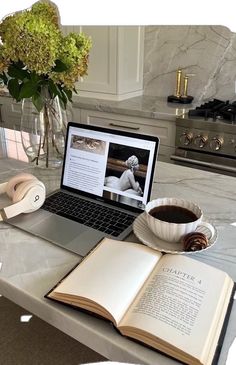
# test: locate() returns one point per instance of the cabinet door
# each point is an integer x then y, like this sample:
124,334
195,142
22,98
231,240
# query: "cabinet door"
115,69
76,115
165,130
101,76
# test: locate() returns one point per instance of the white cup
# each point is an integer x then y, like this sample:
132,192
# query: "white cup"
174,232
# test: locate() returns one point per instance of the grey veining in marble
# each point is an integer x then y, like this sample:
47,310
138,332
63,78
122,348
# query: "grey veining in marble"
208,52
145,106
31,266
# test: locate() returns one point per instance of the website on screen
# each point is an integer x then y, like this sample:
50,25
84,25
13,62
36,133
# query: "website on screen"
112,166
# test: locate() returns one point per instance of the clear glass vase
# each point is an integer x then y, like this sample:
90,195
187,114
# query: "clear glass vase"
43,133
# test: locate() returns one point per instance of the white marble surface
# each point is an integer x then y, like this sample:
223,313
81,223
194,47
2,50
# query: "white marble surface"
206,52
144,106
31,266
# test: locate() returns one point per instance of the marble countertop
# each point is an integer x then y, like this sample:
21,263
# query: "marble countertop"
140,106
31,266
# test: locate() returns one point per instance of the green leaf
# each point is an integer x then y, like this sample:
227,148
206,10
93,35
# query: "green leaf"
54,89
19,64
64,96
60,66
63,99
34,77
28,89
14,88
62,104
68,94
37,101
17,73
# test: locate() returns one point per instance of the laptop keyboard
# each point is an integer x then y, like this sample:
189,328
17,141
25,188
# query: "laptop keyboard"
91,214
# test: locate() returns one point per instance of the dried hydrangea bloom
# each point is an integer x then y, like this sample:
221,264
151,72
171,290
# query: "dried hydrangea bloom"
34,53
33,39
3,62
47,11
74,54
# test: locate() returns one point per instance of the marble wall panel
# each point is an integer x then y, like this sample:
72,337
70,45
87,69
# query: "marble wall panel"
207,52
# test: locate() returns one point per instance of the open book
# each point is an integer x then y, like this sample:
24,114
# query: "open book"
172,303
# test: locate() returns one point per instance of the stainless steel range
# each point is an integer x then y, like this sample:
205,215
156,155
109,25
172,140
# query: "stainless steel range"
206,138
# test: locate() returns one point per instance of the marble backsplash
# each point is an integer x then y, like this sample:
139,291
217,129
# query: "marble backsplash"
207,52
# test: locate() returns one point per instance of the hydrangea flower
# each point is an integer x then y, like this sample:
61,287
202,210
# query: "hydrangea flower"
34,54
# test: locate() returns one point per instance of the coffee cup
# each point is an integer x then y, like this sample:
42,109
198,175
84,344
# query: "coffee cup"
171,218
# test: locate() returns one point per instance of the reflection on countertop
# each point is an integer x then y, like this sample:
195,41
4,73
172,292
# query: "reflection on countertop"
140,106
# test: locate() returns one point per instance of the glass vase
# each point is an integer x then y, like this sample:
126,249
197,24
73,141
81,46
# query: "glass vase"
43,133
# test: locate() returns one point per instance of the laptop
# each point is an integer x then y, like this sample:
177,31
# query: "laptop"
105,184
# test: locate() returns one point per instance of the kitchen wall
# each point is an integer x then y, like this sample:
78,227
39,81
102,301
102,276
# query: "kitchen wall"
208,52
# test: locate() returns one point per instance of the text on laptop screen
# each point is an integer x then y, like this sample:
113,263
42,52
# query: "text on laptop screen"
112,166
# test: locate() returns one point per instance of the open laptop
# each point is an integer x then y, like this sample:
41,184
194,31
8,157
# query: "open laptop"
107,175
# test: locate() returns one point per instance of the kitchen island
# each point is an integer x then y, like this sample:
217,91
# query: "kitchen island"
30,266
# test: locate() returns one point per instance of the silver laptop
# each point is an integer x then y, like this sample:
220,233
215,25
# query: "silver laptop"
106,182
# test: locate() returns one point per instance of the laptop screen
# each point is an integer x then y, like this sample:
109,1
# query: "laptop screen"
110,165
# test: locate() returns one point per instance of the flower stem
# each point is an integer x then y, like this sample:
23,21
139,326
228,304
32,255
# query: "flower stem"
46,137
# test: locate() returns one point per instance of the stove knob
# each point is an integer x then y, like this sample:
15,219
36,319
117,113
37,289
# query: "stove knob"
200,140
186,138
216,143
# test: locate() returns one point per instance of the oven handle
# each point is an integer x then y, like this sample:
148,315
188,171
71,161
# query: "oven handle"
203,163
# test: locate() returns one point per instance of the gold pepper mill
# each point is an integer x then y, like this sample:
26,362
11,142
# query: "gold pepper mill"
185,97
185,93
178,97
178,83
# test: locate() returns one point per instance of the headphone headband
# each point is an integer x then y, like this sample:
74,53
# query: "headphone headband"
3,216
27,194
3,187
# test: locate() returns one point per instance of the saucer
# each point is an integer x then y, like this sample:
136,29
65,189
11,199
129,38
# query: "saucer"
146,236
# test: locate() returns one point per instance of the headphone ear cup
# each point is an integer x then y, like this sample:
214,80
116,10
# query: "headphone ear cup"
31,193
16,180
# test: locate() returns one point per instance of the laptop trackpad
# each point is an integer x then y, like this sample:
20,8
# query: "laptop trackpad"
83,243
68,234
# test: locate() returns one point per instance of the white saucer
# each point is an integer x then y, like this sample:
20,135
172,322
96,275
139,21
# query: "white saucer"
145,235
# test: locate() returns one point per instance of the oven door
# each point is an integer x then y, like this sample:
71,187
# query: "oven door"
205,161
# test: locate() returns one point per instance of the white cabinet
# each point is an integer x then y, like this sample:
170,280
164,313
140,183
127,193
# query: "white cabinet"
164,129
115,69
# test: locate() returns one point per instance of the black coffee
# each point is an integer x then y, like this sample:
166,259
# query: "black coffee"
173,214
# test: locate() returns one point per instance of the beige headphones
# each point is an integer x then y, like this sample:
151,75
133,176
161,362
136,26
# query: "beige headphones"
26,192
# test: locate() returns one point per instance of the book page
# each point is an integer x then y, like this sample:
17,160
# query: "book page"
111,275
180,304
